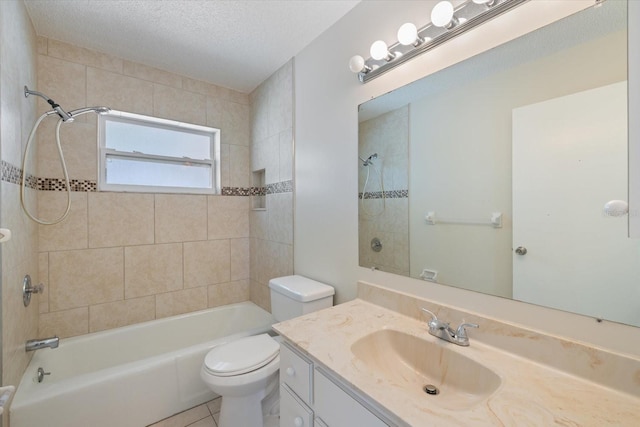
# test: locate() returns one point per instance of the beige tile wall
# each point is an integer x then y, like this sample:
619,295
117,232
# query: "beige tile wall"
19,255
123,258
272,150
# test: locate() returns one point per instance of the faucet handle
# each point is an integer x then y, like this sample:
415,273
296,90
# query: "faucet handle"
433,316
461,332
435,323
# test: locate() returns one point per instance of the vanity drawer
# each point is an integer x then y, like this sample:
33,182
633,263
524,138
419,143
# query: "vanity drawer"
296,371
293,412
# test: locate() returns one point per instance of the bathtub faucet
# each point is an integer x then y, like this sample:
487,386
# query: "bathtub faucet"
33,345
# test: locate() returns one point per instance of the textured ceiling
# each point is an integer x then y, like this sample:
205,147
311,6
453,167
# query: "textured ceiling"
232,43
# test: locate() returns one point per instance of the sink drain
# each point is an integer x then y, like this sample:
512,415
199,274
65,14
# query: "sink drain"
431,389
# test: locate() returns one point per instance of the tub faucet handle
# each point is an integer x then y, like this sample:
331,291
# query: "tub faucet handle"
37,289
28,288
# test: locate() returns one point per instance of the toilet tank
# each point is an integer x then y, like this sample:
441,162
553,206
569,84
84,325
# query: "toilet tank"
293,296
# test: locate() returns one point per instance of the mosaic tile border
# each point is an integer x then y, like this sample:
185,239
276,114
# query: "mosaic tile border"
276,188
391,194
280,187
13,174
57,184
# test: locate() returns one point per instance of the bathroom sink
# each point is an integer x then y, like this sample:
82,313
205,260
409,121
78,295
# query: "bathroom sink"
411,363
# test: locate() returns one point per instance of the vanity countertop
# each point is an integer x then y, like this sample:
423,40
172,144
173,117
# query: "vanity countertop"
531,394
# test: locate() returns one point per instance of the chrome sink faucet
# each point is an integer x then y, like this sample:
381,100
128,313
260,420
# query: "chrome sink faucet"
442,330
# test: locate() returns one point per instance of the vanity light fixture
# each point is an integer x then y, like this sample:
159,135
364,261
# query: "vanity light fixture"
379,50
357,65
442,15
446,23
408,35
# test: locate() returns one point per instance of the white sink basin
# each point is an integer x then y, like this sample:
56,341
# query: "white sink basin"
411,363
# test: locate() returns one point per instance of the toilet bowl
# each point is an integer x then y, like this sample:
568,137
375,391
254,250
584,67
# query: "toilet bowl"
245,372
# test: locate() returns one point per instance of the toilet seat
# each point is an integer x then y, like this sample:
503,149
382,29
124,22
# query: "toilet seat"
241,356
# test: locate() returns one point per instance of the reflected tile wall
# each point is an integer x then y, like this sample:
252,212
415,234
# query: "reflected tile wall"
124,258
386,219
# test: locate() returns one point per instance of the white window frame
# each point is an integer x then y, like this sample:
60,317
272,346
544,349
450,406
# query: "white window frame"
131,118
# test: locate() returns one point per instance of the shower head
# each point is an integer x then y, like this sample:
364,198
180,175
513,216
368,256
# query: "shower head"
369,160
97,110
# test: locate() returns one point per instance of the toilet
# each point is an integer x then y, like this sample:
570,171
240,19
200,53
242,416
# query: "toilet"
245,371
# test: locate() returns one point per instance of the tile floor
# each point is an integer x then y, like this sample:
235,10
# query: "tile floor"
205,415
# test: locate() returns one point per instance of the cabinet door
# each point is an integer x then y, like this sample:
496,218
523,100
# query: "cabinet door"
337,409
293,412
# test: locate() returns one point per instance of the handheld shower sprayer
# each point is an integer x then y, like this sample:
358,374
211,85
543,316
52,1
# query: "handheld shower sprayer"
64,117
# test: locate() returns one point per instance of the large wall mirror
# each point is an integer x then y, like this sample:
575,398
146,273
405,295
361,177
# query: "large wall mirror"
493,175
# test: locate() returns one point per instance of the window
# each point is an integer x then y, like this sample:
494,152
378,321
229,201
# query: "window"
148,154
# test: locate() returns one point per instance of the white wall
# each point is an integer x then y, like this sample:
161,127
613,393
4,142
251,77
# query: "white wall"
634,126
326,211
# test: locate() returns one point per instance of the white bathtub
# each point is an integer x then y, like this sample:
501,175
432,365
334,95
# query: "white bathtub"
130,376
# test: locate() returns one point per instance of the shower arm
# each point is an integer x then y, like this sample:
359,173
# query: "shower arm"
56,108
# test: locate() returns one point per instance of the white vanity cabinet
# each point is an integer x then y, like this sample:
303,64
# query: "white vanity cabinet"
293,412
336,408
309,397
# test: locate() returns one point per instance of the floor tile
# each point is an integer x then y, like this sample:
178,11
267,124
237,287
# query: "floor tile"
206,422
185,418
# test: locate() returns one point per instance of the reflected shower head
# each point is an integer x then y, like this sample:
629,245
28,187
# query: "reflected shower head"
369,160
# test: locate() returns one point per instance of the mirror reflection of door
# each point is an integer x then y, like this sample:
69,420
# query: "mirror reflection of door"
581,141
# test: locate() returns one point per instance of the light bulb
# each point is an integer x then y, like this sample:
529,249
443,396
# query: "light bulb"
407,34
356,64
616,208
379,50
442,14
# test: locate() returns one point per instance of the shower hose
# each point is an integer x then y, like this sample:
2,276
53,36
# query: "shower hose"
64,171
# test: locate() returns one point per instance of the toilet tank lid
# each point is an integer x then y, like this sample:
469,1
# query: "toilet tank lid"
301,288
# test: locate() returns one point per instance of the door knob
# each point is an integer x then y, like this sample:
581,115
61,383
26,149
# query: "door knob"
521,250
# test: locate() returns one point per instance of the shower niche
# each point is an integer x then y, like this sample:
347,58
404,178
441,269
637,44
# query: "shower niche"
258,190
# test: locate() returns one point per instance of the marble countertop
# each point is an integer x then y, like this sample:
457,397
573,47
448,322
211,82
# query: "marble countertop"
530,394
